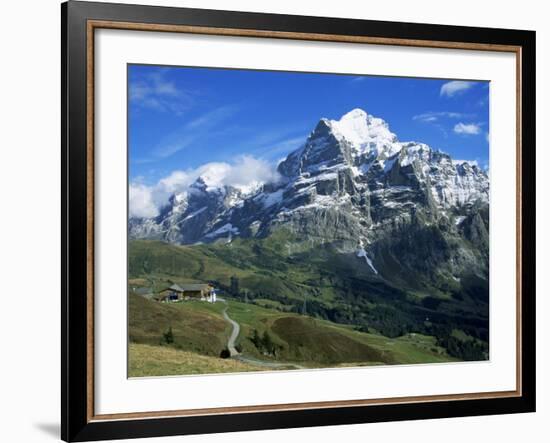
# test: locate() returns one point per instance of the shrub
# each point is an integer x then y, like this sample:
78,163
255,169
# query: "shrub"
225,353
168,336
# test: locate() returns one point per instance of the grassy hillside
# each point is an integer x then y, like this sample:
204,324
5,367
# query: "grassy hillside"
316,342
196,326
149,361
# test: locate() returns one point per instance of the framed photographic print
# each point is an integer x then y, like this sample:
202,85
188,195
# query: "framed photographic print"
279,221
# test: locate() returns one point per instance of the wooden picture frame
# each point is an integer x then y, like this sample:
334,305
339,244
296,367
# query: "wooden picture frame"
79,22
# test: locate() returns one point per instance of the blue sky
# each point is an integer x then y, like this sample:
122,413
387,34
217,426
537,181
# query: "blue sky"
181,118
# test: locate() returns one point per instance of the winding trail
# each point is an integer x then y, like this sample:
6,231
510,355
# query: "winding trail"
238,356
234,333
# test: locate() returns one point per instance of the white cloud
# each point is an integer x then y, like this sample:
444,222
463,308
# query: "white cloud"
454,87
245,173
176,181
141,203
431,117
467,128
249,170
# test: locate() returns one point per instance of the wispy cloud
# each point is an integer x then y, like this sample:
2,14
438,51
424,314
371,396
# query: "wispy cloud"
284,146
213,117
155,91
431,117
467,128
438,119
172,144
358,79
276,140
455,87
483,101
201,127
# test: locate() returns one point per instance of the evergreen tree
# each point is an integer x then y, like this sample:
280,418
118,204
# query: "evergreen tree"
168,336
268,344
256,339
234,288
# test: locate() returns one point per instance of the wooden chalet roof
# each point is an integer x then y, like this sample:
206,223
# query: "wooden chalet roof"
188,287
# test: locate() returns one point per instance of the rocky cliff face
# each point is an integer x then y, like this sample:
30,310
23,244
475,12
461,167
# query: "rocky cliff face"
402,207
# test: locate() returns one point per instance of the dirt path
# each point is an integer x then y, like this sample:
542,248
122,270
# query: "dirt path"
234,333
267,364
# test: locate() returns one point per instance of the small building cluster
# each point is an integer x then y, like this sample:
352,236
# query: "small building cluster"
194,291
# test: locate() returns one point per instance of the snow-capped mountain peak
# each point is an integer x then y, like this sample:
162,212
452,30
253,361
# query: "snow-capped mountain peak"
347,142
365,132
